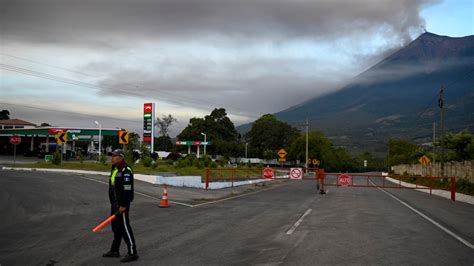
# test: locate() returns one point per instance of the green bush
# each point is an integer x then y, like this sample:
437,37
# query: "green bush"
213,165
103,159
195,162
182,163
129,158
81,157
207,161
147,161
56,158
200,165
464,186
154,164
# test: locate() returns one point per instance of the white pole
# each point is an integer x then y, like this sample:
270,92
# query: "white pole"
306,162
100,141
100,137
205,140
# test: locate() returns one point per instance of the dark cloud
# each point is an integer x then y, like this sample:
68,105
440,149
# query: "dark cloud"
123,23
245,84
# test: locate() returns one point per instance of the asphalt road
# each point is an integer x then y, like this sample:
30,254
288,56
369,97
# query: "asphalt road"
47,219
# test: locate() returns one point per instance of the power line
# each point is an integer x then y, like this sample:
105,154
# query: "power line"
30,72
49,65
68,112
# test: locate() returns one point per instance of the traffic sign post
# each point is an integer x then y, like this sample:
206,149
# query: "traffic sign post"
424,160
62,139
344,180
15,140
282,153
267,173
123,137
296,173
315,162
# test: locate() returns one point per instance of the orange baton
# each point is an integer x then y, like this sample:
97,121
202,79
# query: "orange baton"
104,223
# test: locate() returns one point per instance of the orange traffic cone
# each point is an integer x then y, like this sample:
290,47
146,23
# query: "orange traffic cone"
164,199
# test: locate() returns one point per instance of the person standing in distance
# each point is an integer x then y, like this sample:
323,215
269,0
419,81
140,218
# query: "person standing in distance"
121,196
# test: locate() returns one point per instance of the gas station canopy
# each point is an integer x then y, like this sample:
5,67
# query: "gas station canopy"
45,131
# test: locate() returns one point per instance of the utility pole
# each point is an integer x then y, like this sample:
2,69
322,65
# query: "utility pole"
441,106
246,145
434,140
388,156
307,129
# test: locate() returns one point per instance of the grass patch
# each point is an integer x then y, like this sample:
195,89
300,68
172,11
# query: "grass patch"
462,185
216,174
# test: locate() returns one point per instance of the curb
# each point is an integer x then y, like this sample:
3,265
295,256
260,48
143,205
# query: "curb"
438,192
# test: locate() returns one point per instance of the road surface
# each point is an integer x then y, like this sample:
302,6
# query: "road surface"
48,217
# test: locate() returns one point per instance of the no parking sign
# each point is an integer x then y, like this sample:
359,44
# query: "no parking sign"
296,173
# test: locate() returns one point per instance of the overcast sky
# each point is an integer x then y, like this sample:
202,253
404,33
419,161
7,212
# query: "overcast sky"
71,62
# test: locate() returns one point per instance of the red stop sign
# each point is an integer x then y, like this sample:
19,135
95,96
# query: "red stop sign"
267,173
345,180
15,139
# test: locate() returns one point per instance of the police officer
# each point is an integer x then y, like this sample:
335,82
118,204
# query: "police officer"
121,195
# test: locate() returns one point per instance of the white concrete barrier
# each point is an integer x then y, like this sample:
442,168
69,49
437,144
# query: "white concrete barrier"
220,185
175,181
179,181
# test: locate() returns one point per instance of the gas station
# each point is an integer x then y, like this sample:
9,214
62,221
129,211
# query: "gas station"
43,140
190,143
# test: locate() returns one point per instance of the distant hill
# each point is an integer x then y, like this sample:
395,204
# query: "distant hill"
397,97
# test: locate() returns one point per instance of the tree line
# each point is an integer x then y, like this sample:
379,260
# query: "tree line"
266,136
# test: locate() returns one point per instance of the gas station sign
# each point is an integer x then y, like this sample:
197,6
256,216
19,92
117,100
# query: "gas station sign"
148,123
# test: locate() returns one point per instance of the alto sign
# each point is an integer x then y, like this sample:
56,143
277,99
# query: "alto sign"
267,173
344,180
15,140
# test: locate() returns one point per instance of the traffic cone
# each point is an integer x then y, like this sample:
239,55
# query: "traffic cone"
164,199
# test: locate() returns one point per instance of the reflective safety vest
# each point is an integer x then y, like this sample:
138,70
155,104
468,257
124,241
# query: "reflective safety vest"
115,172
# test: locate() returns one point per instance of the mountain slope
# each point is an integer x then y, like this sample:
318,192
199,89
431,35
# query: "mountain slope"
398,96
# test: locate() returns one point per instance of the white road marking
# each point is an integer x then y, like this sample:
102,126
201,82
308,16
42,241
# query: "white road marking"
293,228
449,232
139,193
235,197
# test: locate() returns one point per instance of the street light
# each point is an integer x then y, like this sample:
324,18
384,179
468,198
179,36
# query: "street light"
100,138
205,140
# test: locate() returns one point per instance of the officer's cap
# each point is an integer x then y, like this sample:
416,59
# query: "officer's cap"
118,152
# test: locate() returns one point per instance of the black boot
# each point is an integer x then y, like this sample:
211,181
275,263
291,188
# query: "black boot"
129,258
111,254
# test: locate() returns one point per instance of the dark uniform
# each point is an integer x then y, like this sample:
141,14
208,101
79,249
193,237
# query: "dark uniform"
121,195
